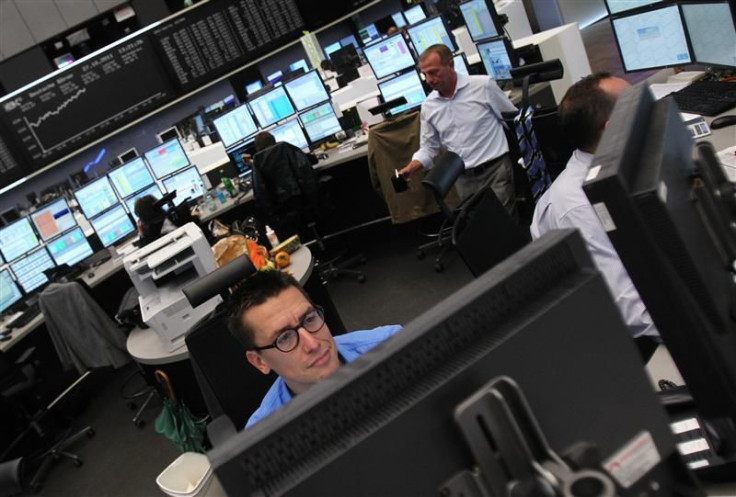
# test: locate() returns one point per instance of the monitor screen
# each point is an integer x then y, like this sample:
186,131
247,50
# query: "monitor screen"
70,248
275,77
9,291
320,122
299,64
29,270
399,19
17,238
479,20
652,39
53,219
351,40
130,177
332,48
113,225
235,126
290,132
496,59
415,14
712,32
187,184
130,202
430,32
616,6
95,197
406,85
167,158
368,33
253,87
389,56
306,90
271,107
460,65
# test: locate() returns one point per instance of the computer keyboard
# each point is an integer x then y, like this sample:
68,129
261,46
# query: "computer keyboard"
28,315
96,259
707,98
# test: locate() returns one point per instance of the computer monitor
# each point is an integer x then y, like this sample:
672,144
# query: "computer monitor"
399,19
113,226
70,248
306,90
651,39
617,6
271,106
368,34
253,87
389,56
168,134
187,184
299,64
415,14
274,77
290,132
235,126
131,177
167,158
480,19
29,269
351,40
151,190
407,85
320,122
53,219
10,294
497,58
430,32
332,47
389,423
460,64
95,197
710,27
17,238
673,230
128,155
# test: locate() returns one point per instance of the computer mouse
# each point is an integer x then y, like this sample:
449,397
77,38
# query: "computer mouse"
90,275
723,121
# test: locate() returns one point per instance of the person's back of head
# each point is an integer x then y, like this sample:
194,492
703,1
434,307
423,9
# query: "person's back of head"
264,140
148,210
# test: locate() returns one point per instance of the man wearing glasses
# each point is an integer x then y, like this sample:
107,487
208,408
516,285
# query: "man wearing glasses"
284,332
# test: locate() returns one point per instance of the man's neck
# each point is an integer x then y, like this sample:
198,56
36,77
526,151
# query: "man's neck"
451,89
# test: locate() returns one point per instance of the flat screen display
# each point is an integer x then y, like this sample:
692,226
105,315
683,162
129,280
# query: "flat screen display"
253,87
320,122
275,77
368,34
271,107
652,39
167,158
306,90
187,184
299,64
113,225
712,32
235,126
17,238
430,32
460,65
290,132
95,197
332,48
414,14
131,177
616,6
9,291
53,219
478,19
496,59
389,56
29,270
70,248
407,85
130,202
399,19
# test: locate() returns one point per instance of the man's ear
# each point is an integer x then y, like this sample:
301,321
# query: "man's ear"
257,361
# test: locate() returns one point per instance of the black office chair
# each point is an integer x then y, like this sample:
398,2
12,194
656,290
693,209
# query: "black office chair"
484,233
289,198
439,181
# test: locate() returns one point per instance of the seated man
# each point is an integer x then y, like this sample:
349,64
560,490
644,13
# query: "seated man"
584,112
152,219
283,331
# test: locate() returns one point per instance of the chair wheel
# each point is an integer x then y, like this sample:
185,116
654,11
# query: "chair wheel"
439,267
77,463
421,255
361,278
90,433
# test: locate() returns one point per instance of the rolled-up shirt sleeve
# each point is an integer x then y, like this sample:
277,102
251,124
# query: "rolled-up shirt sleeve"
429,143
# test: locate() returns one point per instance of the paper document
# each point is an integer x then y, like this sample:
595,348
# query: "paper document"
727,158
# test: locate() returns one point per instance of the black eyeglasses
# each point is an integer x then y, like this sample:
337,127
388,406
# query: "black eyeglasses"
288,340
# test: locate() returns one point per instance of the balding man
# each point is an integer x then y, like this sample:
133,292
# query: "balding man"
463,114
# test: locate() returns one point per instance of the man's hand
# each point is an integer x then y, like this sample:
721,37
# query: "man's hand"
407,170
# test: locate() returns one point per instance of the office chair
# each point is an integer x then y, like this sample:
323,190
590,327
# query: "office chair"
11,477
289,198
439,181
484,233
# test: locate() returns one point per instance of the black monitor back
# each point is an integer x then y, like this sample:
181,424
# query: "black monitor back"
383,425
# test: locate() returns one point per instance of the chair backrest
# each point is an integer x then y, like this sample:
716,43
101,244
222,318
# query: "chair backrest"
442,177
484,233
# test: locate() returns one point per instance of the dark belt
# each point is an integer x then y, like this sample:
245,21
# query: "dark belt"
480,168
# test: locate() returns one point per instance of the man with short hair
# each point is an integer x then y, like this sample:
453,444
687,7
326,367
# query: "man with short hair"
283,331
463,114
584,112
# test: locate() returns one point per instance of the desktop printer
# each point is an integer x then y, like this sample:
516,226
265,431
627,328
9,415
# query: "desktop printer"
160,270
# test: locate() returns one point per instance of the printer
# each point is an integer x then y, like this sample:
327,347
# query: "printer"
160,270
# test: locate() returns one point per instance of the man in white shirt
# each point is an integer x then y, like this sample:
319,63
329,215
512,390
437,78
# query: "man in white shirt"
584,112
463,113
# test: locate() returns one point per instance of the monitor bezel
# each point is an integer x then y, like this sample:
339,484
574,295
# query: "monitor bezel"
434,18
409,109
625,11
261,94
145,164
314,142
223,116
69,232
693,56
309,73
88,185
366,26
494,18
509,50
412,8
299,124
28,254
22,294
46,205
160,145
387,40
181,172
107,211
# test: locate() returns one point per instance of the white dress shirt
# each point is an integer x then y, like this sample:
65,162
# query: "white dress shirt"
468,123
565,205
